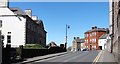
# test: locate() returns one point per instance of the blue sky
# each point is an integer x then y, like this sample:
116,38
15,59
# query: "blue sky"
80,16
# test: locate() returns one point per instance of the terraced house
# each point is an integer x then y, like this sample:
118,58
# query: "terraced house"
20,28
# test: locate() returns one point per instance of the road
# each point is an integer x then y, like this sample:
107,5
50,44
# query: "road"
79,57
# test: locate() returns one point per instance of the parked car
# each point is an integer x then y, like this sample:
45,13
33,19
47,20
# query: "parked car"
85,49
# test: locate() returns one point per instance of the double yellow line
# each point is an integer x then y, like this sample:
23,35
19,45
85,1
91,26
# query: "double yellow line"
97,58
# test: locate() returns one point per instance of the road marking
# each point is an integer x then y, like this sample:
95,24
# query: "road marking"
97,58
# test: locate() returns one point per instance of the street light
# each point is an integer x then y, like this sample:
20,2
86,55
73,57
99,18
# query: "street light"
67,27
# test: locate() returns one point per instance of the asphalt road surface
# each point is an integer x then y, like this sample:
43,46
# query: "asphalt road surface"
79,57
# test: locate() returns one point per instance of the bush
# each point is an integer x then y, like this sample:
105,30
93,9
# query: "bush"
33,46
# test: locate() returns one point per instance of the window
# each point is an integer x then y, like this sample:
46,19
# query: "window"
90,40
87,46
94,47
32,27
28,25
94,33
87,41
94,40
0,23
2,38
91,34
8,39
85,35
9,32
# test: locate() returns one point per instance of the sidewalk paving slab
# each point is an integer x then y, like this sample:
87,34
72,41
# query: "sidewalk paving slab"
106,58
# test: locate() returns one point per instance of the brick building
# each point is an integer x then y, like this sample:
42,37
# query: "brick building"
92,36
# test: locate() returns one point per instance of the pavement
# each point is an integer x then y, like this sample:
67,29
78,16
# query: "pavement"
105,57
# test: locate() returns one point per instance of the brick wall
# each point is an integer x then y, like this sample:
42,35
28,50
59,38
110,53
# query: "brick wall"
91,39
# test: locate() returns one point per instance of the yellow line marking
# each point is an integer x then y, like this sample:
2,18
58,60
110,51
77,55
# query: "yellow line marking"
97,58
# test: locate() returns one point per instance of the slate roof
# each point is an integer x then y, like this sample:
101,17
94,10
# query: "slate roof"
17,11
79,40
98,29
104,36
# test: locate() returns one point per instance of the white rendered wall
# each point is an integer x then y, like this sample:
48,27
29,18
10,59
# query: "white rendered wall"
102,43
82,46
14,25
6,11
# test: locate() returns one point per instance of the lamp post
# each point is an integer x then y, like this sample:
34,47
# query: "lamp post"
67,27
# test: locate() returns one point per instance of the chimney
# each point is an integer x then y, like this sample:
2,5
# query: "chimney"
74,37
92,27
4,3
95,27
77,37
29,12
35,18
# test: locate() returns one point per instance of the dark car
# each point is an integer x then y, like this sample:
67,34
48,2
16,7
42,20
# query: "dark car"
85,49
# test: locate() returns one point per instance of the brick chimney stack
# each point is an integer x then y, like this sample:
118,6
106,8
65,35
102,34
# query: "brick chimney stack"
95,27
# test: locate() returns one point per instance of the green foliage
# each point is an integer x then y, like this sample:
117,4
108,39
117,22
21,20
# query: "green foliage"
33,46
18,51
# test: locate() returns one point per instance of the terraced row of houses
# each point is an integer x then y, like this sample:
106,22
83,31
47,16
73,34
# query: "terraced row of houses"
94,39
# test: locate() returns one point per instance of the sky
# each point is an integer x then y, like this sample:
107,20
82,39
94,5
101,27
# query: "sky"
80,16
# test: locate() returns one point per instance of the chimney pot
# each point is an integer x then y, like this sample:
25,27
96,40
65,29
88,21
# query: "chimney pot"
74,37
35,18
92,27
28,12
77,37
